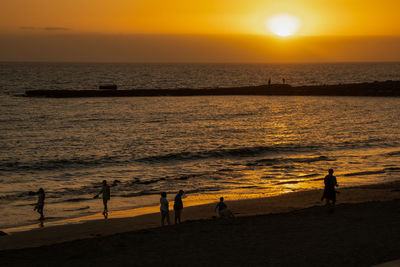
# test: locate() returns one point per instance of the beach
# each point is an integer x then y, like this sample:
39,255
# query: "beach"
267,155
237,146
294,228
222,133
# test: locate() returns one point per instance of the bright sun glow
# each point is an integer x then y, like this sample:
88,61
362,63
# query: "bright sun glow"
283,25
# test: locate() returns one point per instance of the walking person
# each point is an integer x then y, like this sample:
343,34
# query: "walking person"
164,208
40,204
105,191
178,206
329,190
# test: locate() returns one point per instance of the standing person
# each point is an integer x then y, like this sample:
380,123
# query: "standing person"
40,204
105,191
178,206
269,82
329,190
164,208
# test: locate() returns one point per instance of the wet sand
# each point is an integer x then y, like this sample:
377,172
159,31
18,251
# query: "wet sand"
292,229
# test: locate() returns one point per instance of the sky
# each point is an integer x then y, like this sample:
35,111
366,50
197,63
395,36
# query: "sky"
197,31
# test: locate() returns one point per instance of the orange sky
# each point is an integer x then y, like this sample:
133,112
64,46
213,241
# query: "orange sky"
22,20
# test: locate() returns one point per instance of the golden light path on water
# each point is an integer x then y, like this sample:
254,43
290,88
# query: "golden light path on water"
235,147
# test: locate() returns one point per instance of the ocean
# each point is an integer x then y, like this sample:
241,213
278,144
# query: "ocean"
209,146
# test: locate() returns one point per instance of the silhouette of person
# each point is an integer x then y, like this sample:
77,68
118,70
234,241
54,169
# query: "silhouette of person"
40,204
223,210
105,191
283,81
178,206
269,82
329,190
164,208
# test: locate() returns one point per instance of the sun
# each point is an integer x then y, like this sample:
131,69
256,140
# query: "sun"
283,25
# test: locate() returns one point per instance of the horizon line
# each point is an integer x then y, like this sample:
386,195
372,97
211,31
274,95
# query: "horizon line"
198,62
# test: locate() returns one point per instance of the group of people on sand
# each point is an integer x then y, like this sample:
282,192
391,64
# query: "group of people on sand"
164,207
222,208
329,195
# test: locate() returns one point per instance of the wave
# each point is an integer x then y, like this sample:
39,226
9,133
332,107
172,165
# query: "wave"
79,199
394,153
309,175
123,159
273,161
60,163
62,195
393,169
364,173
91,161
289,182
78,209
157,192
224,153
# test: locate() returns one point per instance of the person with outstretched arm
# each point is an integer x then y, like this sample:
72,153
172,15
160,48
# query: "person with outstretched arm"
40,204
105,191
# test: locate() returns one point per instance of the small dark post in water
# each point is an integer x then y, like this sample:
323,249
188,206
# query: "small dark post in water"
108,87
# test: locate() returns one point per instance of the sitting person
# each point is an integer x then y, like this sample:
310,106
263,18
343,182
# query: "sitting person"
223,210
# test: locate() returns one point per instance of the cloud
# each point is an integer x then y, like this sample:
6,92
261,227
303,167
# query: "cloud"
30,28
67,46
55,29
25,28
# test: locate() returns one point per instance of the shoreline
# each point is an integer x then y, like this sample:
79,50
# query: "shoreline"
97,216
376,89
146,210
95,227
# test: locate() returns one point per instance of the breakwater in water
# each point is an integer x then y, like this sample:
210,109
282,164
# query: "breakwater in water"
387,88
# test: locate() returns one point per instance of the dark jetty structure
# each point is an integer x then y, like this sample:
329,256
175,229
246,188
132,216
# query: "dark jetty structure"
108,87
387,88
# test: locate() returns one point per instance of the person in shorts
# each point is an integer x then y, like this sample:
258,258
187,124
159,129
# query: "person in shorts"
178,206
164,208
40,204
105,191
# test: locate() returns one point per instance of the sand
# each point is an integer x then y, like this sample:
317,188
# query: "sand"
291,229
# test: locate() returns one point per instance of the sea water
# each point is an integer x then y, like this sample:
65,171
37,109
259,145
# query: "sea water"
209,146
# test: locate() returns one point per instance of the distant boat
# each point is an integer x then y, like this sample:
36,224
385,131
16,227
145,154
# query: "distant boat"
108,87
